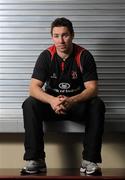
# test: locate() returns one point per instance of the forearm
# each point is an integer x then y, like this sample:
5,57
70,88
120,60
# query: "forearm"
40,94
84,95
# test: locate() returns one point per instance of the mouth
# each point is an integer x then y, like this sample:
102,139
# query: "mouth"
62,46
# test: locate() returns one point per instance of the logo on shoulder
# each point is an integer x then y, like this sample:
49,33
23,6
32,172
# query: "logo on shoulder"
53,76
64,85
74,75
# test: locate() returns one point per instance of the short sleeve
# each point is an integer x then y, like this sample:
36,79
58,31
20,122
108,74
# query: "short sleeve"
89,67
41,68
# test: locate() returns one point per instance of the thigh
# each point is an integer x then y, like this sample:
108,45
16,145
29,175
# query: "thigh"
46,113
40,110
78,112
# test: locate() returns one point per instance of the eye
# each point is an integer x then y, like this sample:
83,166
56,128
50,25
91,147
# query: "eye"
56,36
65,35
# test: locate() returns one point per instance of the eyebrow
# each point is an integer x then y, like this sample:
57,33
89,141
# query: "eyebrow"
61,34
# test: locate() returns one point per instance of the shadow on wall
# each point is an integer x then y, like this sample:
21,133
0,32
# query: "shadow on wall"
70,147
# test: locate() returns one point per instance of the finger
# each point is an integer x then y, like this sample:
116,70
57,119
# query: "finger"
62,107
61,112
62,97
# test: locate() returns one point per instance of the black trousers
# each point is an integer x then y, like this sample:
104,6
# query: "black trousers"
91,113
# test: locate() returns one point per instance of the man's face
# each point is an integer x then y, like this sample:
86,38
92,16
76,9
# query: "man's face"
62,39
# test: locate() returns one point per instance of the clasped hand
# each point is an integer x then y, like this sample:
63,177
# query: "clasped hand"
61,104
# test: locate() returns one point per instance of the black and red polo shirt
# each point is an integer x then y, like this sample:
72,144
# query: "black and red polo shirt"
65,77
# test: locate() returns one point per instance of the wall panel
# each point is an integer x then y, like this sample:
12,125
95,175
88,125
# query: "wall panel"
24,33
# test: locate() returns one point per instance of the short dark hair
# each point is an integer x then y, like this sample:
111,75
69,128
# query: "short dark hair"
62,22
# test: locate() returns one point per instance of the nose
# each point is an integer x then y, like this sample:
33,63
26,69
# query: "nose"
61,39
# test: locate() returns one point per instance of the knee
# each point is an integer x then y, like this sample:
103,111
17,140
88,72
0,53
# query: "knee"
98,103
30,101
